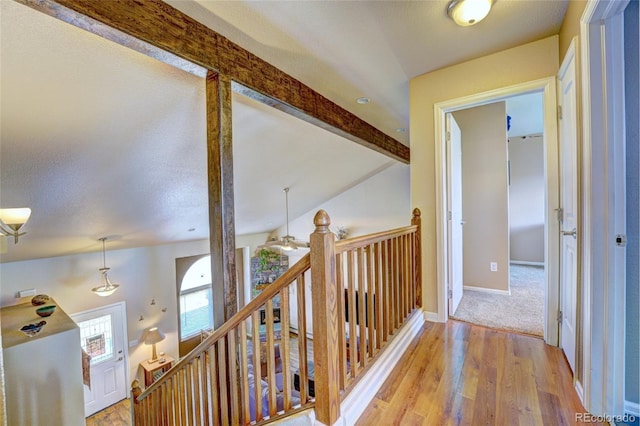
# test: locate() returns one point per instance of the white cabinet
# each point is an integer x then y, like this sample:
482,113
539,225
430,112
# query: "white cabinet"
43,373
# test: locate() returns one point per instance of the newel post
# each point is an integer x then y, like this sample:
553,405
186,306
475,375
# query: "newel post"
325,320
417,260
135,407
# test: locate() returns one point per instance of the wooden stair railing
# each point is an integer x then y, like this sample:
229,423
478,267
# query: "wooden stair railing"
363,290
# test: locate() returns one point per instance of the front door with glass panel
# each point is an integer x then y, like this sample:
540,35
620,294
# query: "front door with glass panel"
102,337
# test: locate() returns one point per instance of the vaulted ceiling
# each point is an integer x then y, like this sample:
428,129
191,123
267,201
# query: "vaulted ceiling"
100,140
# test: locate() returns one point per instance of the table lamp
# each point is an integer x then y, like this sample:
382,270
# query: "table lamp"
151,337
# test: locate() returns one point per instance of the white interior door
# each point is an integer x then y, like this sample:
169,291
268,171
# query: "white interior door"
454,154
102,336
569,203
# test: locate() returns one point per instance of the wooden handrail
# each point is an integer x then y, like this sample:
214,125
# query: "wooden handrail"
268,293
365,240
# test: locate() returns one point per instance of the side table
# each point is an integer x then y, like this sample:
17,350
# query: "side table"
153,370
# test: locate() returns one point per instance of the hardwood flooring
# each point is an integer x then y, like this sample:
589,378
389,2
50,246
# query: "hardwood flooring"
118,414
463,374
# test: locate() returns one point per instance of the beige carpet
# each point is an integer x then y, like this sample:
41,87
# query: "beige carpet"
522,311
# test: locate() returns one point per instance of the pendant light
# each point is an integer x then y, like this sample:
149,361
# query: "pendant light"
288,242
107,289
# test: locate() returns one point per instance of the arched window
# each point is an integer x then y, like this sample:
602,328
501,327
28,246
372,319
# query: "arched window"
195,297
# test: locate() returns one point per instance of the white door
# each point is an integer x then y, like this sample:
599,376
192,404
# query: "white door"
102,336
455,222
569,204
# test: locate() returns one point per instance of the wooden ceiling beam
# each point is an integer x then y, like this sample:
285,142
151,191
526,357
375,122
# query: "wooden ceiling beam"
170,30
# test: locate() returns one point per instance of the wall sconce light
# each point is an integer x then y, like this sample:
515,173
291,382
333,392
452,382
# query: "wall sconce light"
11,220
151,337
107,289
468,12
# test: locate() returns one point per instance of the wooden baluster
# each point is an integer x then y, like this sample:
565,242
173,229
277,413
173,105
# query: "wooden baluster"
257,373
170,404
271,365
379,298
214,389
362,310
371,320
342,338
232,361
325,333
189,393
244,368
222,382
384,278
197,398
351,299
396,283
403,277
302,340
204,387
285,350
417,259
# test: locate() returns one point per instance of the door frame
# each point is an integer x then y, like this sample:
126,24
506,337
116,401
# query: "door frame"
603,214
546,86
125,346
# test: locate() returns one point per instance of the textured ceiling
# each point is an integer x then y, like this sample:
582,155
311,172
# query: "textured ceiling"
101,141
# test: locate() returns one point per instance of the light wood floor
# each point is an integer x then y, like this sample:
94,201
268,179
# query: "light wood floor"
116,415
460,373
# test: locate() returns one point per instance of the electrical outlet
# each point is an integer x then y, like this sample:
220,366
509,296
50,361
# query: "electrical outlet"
493,266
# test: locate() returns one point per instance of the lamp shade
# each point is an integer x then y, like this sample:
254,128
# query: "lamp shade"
153,335
15,218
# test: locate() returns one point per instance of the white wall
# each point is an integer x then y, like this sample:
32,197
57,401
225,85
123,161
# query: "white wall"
379,203
526,199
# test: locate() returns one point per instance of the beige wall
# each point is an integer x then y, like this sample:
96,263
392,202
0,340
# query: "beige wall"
524,63
526,199
485,200
570,25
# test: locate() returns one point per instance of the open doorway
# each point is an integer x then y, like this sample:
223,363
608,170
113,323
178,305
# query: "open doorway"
497,214
547,89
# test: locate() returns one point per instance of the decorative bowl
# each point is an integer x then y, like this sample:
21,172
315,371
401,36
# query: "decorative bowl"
33,329
39,299
45,311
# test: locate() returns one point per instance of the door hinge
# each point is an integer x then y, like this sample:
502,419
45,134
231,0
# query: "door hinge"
621,240
448,136
450,294
559,317
560,214
449,215
559,112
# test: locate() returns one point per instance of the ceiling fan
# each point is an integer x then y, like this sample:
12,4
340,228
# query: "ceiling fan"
287,242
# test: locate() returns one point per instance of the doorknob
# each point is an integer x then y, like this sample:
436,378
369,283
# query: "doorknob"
573,233
120,359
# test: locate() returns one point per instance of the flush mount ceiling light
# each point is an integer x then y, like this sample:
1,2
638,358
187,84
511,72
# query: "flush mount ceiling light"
12,220
468,12
362,101
288,242
107,289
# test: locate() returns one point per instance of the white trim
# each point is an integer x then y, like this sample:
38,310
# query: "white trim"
431,317
487,290
361,395
579,390
548,87
632,408
526,263
603,288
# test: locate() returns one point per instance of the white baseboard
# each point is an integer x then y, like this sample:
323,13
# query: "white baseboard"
361,395
526,263
431,316
632,408
487,290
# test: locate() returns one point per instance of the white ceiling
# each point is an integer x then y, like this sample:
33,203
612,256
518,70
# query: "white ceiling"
101,141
